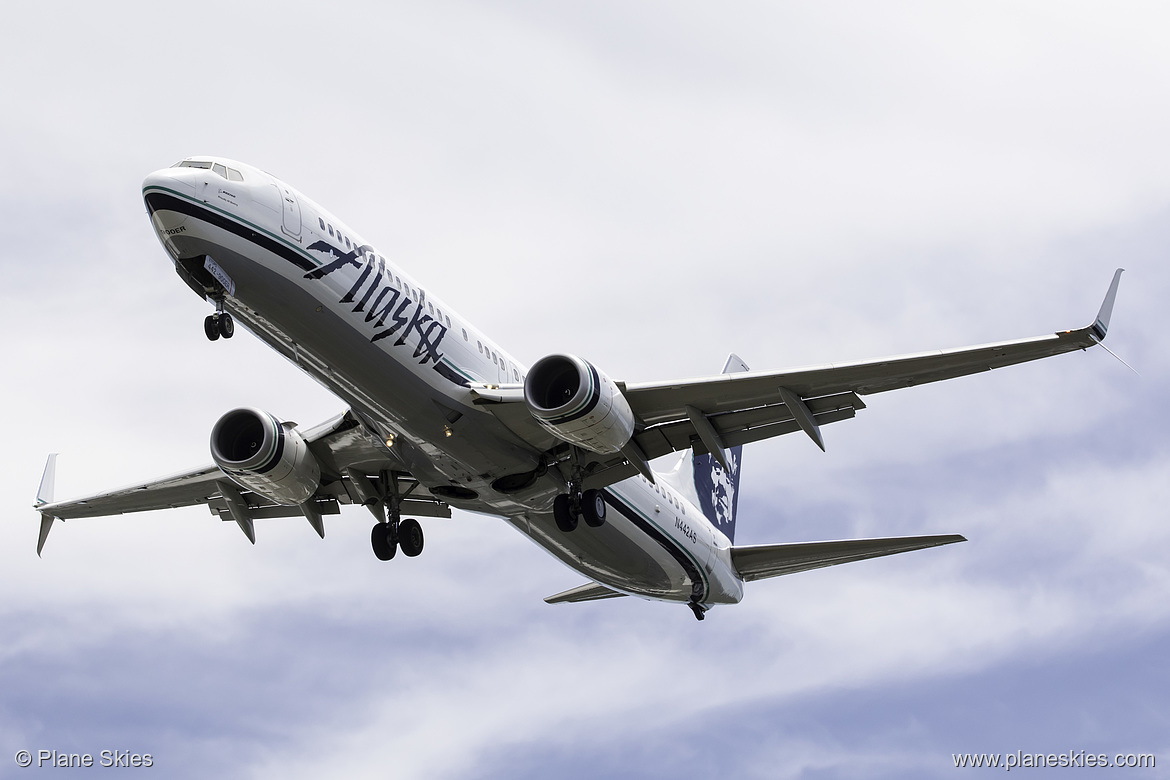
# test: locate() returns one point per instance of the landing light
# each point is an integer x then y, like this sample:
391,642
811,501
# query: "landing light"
447,431
390,440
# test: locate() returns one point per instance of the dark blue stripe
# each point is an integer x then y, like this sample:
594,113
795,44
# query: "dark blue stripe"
271,464
588,407
161,201
698,584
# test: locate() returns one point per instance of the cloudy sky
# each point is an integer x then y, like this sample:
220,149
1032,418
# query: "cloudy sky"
651,186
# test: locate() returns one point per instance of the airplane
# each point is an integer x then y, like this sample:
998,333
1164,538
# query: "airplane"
440,417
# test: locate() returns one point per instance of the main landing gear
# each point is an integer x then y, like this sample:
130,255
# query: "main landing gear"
570,507
387,538
219,324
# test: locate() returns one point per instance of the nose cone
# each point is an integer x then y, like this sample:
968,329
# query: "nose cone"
178,180
168,194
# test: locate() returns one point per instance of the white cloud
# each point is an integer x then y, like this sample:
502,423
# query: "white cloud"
651,186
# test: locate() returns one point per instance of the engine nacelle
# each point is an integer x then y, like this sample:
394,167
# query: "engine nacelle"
579,404
265,455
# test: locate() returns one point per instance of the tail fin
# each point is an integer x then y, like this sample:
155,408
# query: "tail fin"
718,488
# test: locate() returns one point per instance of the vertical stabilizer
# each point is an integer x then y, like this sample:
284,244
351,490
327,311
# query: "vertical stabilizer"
718,487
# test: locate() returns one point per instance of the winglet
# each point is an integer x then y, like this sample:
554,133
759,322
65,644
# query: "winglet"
45,496
46,525
48,481
1101,325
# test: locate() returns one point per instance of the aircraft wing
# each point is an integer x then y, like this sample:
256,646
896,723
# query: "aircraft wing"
746,407
759,562
343,447
711,414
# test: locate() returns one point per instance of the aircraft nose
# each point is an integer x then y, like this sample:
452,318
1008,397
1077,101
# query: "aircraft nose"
181,180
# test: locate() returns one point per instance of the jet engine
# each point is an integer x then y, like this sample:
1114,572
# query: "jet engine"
266,456
579,404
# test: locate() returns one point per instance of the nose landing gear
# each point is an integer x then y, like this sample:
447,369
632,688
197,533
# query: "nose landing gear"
219,324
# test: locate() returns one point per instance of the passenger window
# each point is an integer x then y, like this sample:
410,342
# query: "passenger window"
448,319
465,334
430,308
347,243
322,222
480,345
331,230
516,375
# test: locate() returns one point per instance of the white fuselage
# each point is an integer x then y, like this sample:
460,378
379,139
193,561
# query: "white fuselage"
312,289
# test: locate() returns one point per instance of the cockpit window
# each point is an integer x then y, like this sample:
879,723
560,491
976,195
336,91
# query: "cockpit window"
231,174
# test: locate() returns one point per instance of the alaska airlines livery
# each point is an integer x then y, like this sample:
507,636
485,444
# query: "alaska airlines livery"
439,416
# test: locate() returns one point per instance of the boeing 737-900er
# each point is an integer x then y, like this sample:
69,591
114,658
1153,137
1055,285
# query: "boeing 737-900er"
439,416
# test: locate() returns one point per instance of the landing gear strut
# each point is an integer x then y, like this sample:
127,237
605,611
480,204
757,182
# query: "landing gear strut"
698,609
219,324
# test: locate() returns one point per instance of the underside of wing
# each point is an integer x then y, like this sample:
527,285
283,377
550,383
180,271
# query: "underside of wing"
713,414
355,467
590,591
758,562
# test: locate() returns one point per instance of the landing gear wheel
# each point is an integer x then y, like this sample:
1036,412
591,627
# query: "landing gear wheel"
211,327
593,508
410,537
563,513
698,609
384,541
227,326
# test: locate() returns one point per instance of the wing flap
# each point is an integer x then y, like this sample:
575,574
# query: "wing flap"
758,562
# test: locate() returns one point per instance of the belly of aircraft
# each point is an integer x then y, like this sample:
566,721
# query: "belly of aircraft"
299,324
616,555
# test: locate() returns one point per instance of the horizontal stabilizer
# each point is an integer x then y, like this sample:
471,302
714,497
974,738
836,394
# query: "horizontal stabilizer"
590,591
758,562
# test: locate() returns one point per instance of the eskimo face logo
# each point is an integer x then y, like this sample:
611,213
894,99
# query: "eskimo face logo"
723,487
717,487
388,310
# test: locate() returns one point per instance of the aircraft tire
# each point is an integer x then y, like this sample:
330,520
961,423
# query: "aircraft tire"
563,513
383,542
227,326
410,537
593,508
211,328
